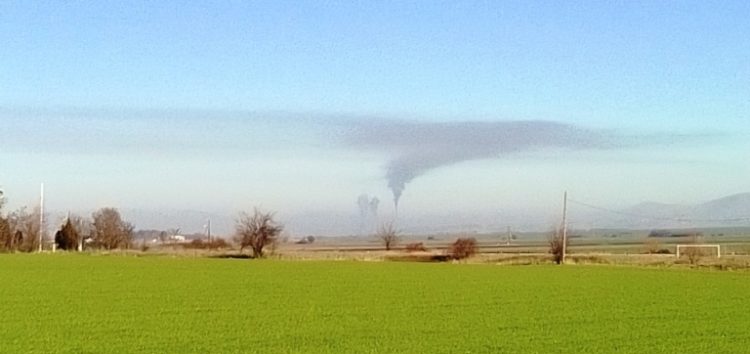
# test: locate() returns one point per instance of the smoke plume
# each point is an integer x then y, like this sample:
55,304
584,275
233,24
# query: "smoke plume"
415,148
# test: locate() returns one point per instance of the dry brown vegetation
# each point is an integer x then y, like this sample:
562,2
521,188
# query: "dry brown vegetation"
416,247
463,248
214,244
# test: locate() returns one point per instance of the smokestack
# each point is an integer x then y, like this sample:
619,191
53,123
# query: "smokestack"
41,218
363,202
374,203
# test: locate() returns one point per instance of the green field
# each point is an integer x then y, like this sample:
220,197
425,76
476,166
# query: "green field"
89,303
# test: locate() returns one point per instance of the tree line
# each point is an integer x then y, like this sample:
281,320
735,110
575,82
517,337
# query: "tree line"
20,230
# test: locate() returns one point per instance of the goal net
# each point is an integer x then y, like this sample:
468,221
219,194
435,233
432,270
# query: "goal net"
701,250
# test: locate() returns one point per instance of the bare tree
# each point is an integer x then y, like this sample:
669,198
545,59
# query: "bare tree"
110,231
6,234
85,229
25,228
556,246
388,235
694,254
256,231
11,237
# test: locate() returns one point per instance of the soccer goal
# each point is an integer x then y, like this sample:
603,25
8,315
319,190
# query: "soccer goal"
682,248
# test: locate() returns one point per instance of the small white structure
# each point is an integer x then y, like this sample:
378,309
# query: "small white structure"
718,249
177,238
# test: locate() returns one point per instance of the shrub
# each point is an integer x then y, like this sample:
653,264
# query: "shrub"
651,245
463,248
218,243
556,247
694,255
416,247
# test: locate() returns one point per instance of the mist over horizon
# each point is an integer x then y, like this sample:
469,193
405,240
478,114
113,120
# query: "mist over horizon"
728,211
485,111
310,169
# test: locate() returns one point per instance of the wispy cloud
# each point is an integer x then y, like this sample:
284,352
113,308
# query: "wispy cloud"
177,133
414,148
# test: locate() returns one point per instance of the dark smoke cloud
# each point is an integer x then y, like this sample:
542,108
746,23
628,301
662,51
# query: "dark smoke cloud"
418,147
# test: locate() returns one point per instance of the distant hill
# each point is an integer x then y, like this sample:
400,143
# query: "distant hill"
734,206
728,211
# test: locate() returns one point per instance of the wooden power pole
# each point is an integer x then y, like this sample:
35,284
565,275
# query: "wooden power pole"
41,218
565,227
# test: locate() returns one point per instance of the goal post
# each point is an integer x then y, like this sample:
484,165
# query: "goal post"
680,249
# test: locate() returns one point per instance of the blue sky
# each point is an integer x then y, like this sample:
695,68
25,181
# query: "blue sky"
224,105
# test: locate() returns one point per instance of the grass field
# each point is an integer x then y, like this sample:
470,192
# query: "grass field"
90,303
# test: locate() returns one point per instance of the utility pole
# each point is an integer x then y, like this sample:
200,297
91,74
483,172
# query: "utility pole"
41,218
565,227
208,233
509,237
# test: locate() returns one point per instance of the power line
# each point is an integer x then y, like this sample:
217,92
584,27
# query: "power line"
678,219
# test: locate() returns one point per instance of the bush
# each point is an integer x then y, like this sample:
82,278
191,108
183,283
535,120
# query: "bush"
651,245
416,247
694,255
556,247
463,248
218,243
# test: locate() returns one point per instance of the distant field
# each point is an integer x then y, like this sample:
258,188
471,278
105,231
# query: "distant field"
734,241
89,303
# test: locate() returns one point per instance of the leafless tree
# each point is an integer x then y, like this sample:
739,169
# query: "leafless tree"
556,246
6,234
110,231
388,235
694,254
25,227
85,229
11,237
256,231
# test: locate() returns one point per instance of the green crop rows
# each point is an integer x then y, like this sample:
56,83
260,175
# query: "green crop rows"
76,304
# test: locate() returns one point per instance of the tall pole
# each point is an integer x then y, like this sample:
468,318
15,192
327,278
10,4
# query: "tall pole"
208,233
565,227
509,237
41,218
